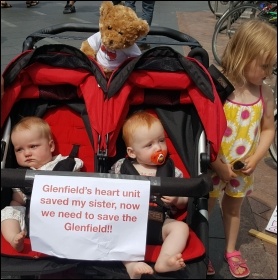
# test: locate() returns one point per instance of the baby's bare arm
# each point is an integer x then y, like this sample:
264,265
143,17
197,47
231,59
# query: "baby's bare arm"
267,132
19,197
179,201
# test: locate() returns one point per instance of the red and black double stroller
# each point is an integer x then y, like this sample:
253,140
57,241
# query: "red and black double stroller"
68,89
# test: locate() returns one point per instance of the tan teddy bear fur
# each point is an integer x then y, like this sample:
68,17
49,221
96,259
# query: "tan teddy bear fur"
119,29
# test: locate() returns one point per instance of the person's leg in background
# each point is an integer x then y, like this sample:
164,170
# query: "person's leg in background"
4,4
69,8
147,14
118,2
147,11
131,4
31,3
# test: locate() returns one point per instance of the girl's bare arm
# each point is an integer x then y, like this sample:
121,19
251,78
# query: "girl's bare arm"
267,132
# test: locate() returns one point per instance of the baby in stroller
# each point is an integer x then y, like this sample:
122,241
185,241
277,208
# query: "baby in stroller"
146,148
33,146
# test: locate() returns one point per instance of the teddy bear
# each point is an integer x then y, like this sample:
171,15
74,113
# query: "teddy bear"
119,29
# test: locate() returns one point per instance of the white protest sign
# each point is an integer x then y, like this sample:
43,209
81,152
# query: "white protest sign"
272,223
89,218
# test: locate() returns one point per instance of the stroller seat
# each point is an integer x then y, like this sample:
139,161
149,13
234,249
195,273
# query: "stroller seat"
65,124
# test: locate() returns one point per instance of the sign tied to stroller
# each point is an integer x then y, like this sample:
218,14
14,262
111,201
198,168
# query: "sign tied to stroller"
80,212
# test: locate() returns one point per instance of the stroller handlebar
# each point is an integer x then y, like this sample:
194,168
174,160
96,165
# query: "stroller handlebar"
191,187
30,41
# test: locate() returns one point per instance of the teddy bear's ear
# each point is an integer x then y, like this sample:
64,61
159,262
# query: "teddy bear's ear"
105,7
142,27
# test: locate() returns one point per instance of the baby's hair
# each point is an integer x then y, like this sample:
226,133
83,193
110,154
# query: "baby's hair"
28,123
137,119
254,39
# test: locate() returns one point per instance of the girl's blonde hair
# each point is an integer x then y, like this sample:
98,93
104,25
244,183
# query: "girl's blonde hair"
140,118
254,39
34,122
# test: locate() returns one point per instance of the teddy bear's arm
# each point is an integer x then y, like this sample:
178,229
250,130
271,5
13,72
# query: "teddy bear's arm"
86,48
91,45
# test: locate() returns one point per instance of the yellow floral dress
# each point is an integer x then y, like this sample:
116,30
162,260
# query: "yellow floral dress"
240,140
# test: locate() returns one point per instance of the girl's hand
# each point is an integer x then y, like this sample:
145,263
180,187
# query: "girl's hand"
226,173
223,170
250,165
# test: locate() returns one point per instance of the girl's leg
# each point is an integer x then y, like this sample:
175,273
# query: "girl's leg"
136,269
231,208
175,235
12,233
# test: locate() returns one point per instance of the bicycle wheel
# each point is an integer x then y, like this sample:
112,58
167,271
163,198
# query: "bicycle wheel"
233,19
211,5
273,146
231,6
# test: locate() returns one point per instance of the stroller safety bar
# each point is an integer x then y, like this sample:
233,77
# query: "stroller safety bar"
179,38
30,41
192,187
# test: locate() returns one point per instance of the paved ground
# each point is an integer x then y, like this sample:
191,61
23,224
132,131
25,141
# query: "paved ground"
195,19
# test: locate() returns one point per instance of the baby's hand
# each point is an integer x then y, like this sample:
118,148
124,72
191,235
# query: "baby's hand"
169,200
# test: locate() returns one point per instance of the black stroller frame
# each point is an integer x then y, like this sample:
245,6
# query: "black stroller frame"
197,218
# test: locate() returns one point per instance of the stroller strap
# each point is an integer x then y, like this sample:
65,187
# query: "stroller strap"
157,209
68,163
165,170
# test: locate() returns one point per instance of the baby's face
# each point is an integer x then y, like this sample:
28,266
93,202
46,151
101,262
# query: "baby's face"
147,142
31,149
